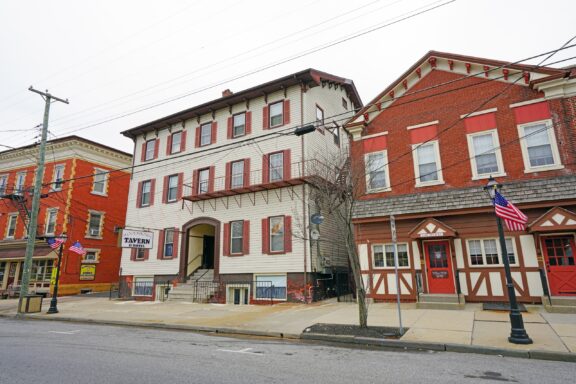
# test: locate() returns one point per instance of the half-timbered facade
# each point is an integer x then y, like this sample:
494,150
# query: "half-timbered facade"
80,197
428,144
223,187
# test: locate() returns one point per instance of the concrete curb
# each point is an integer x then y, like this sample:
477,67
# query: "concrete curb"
338,339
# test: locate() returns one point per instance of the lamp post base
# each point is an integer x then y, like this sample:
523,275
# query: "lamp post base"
518,334
53,308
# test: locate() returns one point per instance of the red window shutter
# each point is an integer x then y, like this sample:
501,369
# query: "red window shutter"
176,243
287,234
248,122
165,191
133,254
287,165
214,131
265,118
247,172
286,112
180,184
143,154
226,246
183,141
160,254
246,238
197,138
169,145
195,182
211,179
229,133
146,254
156,146
265,236
139,195
265,172
228,179
152,188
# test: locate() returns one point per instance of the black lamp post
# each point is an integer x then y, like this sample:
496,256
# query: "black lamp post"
518,334
54,302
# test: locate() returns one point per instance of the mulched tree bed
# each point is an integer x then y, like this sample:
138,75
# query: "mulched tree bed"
355,330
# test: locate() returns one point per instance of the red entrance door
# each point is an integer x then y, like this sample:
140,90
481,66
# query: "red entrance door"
559,252
438,261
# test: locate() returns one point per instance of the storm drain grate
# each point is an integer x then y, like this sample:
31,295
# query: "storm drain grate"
501,307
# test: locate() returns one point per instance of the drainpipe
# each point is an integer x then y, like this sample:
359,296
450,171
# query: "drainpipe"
304,210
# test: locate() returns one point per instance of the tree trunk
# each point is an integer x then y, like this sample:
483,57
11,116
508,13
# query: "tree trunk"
356,272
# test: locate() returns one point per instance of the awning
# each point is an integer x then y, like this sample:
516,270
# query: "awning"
18,253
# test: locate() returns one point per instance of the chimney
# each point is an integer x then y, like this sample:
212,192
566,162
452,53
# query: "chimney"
227,92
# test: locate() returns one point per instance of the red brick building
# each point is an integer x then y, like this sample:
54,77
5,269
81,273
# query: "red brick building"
80,199
428,144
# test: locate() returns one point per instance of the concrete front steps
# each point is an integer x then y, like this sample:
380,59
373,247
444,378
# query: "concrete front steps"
440,301
559,304
198,289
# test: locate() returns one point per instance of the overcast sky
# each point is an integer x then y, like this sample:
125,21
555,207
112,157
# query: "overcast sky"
124,63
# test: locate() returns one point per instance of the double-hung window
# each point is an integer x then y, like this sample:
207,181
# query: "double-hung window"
100,181
237,237
143,286
3,183
95,224
172,189
276,114
91,256
145,193
488,252
539,148
203,180
176,142
237,174
205,134
58,177
11,227
383,255
486,158
427,164
377,171
51,216
168,243
150,150
319,117
277,234
276,166
239,124
20,181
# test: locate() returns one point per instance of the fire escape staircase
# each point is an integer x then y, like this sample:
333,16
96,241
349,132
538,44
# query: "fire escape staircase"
20,202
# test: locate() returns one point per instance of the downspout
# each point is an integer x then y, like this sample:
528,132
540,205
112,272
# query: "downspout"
303,156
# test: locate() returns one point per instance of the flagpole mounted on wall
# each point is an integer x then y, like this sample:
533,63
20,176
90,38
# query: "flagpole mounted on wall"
515,221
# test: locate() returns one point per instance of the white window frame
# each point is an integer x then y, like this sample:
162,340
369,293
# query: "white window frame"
234,126
138,252
176,144
150,150
202,182
3,184
167,231
281,103
100,173
148,193
500,259
100,224
263,277
51,219
11,225
238,175
270,234
440,179
172,188
57,177
386,266
203,136
20,183
96,259
498,153
241,223
271,170
553,147
319,116
369,189
143,279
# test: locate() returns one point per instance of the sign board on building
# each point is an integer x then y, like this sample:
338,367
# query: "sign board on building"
87,272
432,234
137,239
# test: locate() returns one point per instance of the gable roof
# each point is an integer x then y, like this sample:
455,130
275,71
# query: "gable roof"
556,219
309,76
466,65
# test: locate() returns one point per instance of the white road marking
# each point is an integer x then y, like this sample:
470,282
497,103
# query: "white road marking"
64,333
245,350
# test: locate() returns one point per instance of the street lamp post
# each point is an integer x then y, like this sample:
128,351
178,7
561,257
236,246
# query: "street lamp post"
54,302
518,334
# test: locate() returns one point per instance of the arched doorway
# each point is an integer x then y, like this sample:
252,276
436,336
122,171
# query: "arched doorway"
200,248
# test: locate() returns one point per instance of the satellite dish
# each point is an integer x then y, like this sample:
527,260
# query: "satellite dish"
317,218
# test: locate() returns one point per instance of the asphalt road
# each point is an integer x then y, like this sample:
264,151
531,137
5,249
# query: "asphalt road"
58,352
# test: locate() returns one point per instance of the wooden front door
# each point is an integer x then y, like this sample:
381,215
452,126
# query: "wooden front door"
559,252
439,267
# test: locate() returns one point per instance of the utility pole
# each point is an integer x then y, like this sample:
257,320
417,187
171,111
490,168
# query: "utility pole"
36,196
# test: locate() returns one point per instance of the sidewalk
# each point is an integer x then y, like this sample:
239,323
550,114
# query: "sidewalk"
471,326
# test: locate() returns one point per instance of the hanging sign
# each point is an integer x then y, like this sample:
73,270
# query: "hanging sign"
137,239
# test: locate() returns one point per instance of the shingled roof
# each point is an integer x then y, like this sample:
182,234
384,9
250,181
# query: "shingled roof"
559,188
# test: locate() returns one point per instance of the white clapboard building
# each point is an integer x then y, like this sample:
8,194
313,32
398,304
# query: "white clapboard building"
223,187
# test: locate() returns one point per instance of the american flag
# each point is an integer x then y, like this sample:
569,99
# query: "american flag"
77,248
54,242
514,218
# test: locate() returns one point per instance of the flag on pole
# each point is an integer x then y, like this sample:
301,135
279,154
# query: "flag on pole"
55,242
77,248
514,218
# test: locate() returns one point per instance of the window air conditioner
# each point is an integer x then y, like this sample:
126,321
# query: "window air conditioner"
94,232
